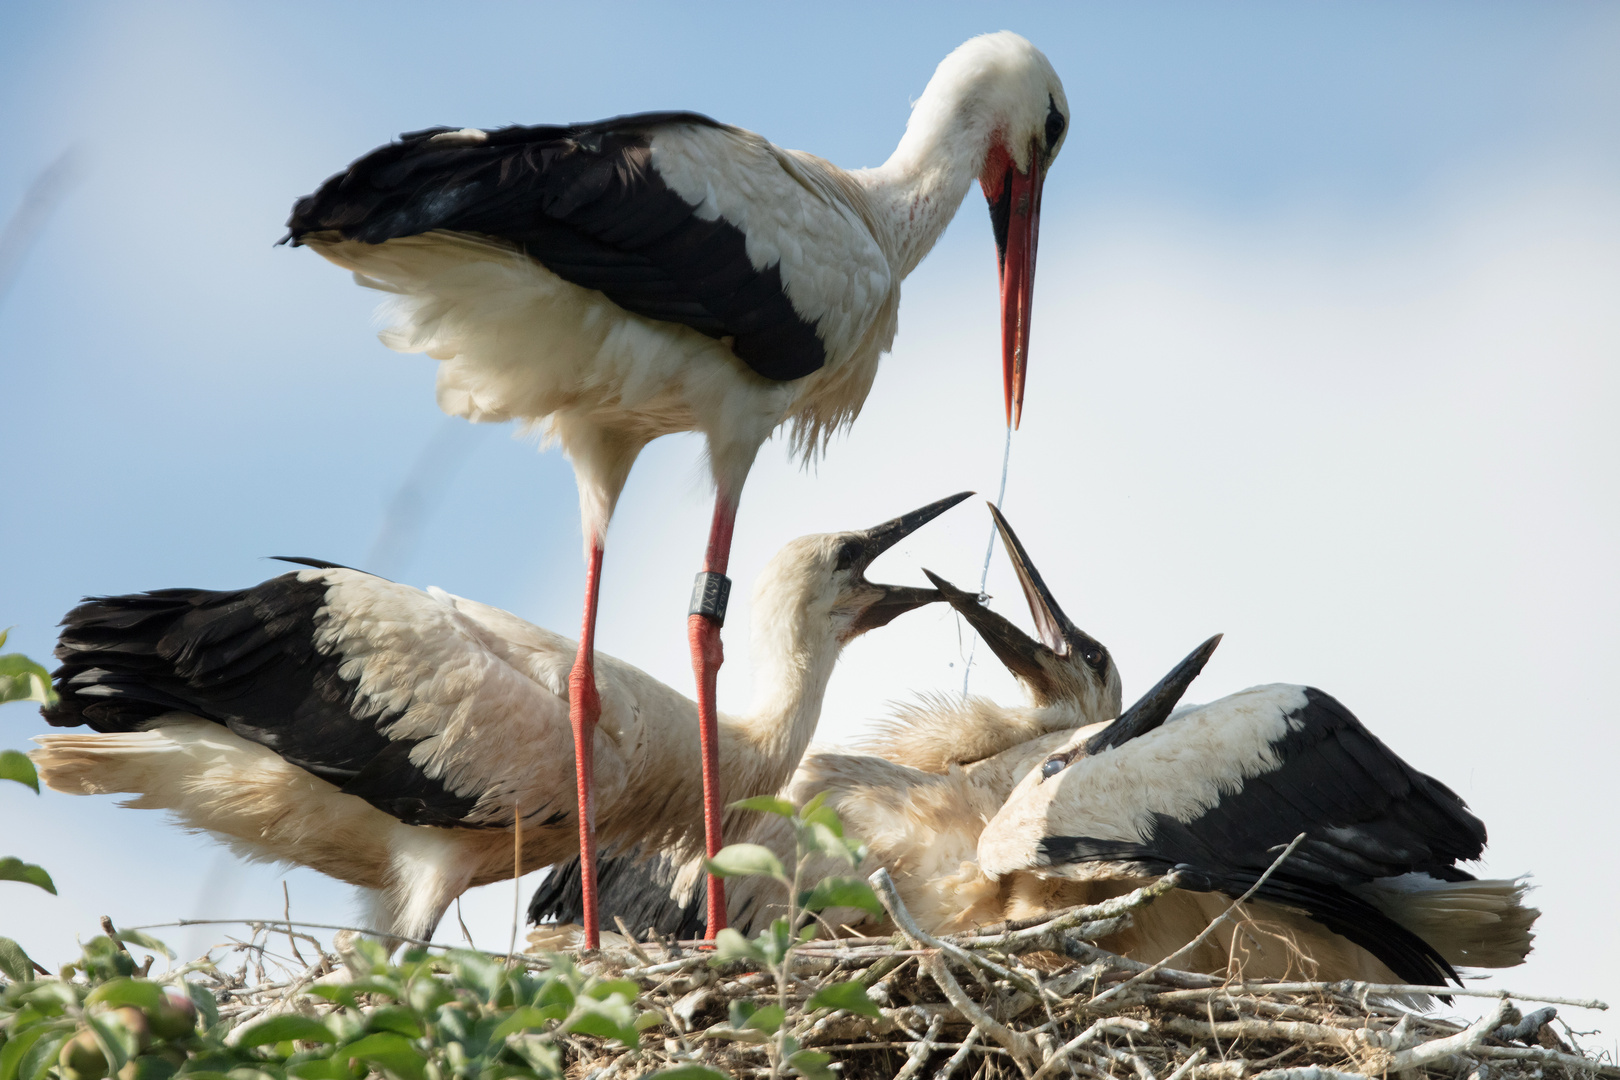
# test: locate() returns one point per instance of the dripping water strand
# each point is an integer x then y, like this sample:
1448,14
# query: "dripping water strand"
984,575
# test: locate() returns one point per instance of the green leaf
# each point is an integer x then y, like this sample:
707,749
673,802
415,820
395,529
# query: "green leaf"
137,992
823,815
203,998
42,1055
813,805
730,945
15,765
812,1065
527,1018
820,837
741,860
623,987
147,1067
849,996
289,1027
689,1072
765,804
394,1018
16,870
23,680
14,1048
390,1051
774,941
144,941
767,1019
841,892
614,1018
14,962
318,1069
336,993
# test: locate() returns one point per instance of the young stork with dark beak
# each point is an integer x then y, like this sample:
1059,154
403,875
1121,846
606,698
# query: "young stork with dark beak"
1217,792
984,813
393,738
919,789
616,281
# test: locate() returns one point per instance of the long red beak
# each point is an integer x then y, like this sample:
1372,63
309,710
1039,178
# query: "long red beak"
1015,215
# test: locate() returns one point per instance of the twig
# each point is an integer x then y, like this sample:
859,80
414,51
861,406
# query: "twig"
1034,934
920,1050
286,909
1023,1051
1062,1053
889,896
107,928
960,1056
1465,1040
1208,930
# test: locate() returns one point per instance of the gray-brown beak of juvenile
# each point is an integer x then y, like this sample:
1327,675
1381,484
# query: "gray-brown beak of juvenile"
862,548
1031,662
1056,631
1155,706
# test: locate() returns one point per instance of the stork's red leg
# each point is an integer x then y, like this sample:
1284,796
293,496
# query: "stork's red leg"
703,632
584,708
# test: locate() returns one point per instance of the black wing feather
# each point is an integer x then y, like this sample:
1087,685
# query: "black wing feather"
245,659
585,201
1366,815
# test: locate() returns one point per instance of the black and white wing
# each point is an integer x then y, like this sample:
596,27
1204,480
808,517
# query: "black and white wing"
392,694
1221,789
671,215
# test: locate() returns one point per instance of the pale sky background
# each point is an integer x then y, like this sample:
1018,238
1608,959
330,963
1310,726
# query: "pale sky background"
1326,356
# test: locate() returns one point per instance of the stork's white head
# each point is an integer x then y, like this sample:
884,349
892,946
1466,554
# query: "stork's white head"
815,588
1068,667
997,100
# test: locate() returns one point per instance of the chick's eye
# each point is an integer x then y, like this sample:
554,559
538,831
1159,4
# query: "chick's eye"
1052,766
847,554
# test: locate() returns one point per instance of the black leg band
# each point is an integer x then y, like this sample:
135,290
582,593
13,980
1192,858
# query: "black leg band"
709,595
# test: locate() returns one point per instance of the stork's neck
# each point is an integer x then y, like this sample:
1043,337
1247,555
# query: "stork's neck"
794,651
917,192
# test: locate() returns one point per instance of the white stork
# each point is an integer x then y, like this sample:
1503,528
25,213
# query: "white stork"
918,791
392,737
621,280
977,827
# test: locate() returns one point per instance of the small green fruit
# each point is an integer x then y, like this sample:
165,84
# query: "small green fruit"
82,1059
175,1017
135,1022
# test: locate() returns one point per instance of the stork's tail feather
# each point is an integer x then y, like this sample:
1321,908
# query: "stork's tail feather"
1481,924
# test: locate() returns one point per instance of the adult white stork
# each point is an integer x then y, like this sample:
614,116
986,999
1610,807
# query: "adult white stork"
392,738
621,280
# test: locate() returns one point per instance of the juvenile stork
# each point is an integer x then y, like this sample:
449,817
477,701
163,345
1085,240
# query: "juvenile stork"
392,737
962,805
918,789
620,280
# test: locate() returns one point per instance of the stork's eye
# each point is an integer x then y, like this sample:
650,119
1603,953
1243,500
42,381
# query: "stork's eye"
1054,122
1052,766
848,553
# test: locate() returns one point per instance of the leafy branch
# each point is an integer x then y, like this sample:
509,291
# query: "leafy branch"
817,831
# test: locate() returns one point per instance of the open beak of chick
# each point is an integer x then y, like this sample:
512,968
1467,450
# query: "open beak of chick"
1055,667
860,549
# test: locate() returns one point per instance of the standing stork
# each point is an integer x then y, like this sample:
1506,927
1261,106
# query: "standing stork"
625,279
394,738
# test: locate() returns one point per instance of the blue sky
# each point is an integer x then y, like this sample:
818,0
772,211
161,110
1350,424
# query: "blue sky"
1324,357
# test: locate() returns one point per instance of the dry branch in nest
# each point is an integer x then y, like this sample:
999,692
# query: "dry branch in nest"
1035,1000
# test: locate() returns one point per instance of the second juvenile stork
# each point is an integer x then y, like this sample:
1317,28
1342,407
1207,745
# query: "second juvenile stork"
395,738
625,279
